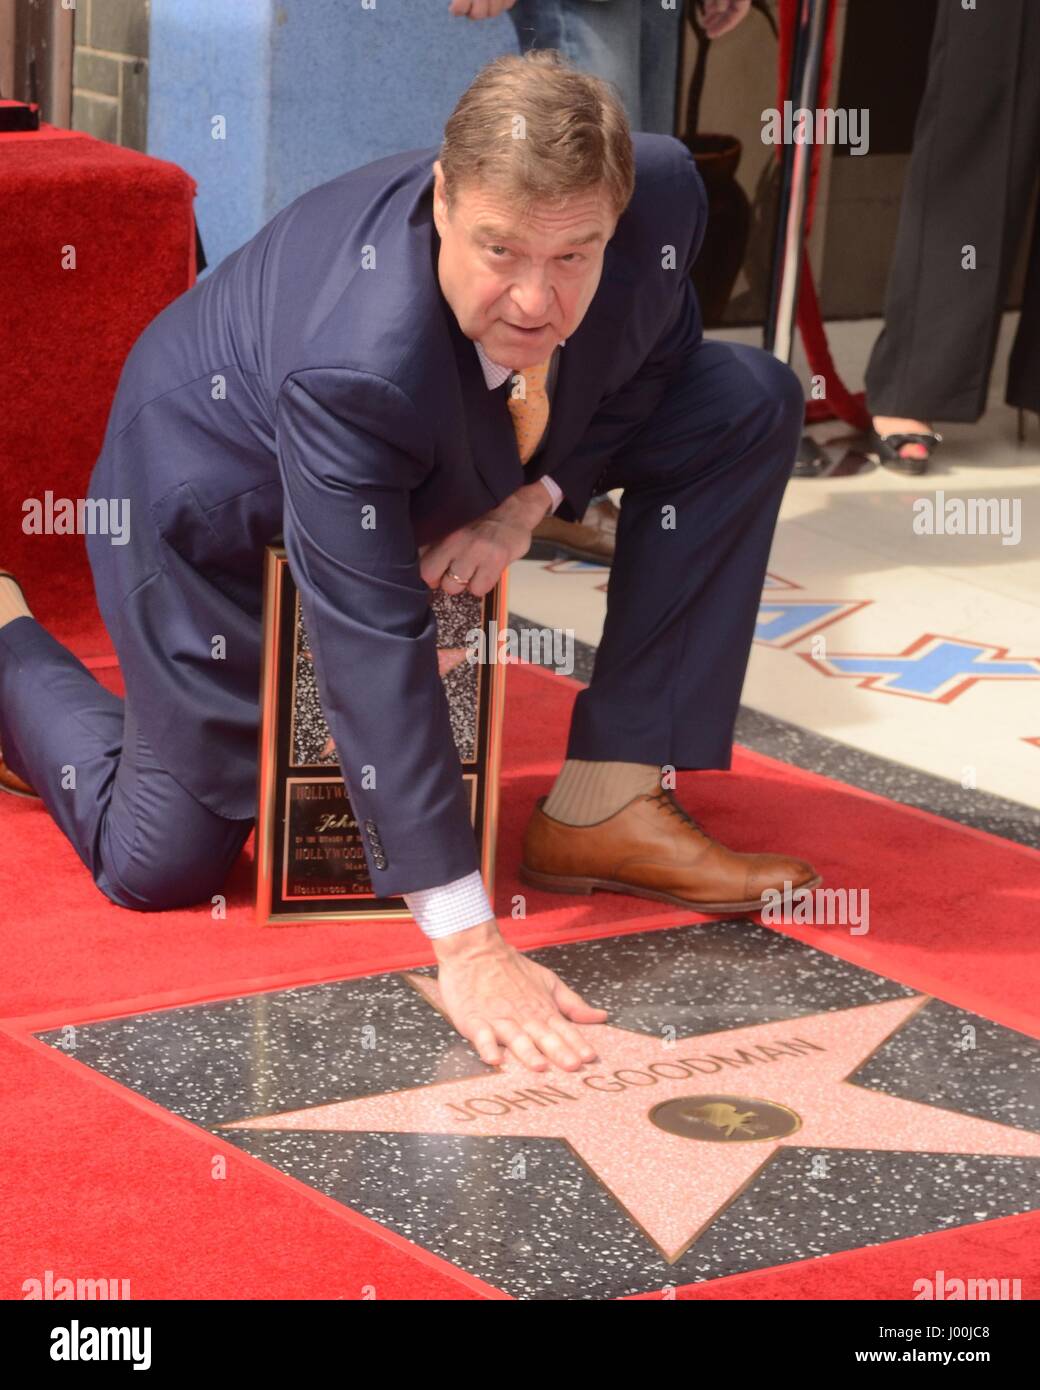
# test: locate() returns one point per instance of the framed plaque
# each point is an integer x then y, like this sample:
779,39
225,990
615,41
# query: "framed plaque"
310,864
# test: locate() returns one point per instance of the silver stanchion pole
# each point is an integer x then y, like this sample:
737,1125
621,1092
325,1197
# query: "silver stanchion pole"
803,88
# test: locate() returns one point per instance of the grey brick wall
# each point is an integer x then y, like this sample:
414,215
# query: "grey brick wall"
110,71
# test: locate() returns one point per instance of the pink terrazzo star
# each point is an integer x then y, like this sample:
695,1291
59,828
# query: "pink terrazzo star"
674,1185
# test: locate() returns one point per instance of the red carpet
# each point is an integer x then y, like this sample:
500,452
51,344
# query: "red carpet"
96,1180
127,220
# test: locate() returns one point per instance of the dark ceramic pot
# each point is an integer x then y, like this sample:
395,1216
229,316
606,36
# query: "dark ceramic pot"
729,222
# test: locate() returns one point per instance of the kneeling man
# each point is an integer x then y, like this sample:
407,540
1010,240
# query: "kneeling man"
400,375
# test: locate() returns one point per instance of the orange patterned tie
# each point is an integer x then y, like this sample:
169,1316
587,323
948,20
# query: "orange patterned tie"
528,403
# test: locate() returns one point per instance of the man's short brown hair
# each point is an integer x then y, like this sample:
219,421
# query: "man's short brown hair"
534,128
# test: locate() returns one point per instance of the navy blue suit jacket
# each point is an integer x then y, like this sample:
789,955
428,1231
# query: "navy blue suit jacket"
317,372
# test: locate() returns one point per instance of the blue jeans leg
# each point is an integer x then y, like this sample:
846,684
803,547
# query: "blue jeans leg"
632,43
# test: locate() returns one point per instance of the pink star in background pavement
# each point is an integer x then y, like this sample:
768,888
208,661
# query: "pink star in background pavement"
736,1097
450,657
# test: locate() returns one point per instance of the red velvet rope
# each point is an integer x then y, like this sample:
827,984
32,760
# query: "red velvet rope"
839,401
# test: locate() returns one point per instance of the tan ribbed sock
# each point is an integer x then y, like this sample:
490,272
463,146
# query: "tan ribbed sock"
586,792
12,601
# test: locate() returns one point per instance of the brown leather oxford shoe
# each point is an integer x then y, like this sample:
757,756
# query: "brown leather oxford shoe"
11,782
591,538
653,848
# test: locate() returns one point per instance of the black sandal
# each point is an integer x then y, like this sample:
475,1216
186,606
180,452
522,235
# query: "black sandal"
810,460
885,449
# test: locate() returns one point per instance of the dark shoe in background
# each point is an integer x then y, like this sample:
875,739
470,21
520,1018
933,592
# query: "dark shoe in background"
887,449
592,538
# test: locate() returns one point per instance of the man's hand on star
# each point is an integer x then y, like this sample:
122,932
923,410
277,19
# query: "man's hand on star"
669,1162
497,997
478,553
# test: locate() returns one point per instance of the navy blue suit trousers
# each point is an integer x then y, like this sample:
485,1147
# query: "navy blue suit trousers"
703,480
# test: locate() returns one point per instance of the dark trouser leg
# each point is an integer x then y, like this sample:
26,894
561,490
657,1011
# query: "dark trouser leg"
147,843
1023,383
971,175
682,600
632,43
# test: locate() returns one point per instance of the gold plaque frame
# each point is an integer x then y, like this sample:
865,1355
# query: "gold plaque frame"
307,870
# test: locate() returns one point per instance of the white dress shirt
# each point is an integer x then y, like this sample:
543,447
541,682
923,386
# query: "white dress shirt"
452,907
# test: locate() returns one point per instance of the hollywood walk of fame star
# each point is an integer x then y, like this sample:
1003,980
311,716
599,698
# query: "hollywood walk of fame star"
674,1184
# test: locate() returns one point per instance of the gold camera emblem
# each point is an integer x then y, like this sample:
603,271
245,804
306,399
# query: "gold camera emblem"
725,1119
